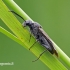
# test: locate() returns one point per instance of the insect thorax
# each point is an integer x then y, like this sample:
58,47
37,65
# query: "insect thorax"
35,29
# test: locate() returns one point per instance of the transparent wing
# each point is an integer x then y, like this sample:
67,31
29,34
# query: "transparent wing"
49,41
45,35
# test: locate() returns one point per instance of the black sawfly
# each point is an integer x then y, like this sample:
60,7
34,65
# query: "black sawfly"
40,35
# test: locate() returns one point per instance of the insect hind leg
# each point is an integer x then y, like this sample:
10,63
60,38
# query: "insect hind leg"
40,55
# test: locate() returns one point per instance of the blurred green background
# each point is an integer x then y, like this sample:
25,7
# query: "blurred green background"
54,16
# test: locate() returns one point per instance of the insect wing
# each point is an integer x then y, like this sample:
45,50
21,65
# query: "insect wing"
48,40
45,35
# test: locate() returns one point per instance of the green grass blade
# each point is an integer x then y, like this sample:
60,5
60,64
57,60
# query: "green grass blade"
13,37
16,8
23,35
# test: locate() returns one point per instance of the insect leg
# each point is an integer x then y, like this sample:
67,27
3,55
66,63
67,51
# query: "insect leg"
33,44
40,55
30,37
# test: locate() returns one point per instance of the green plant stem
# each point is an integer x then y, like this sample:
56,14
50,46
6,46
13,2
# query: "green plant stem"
23,35
17,9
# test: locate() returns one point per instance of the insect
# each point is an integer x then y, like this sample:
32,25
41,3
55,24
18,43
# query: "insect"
40,35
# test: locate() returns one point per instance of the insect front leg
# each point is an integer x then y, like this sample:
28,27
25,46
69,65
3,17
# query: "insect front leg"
30,37
40,55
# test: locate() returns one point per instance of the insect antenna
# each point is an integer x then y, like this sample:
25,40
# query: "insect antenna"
17,15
